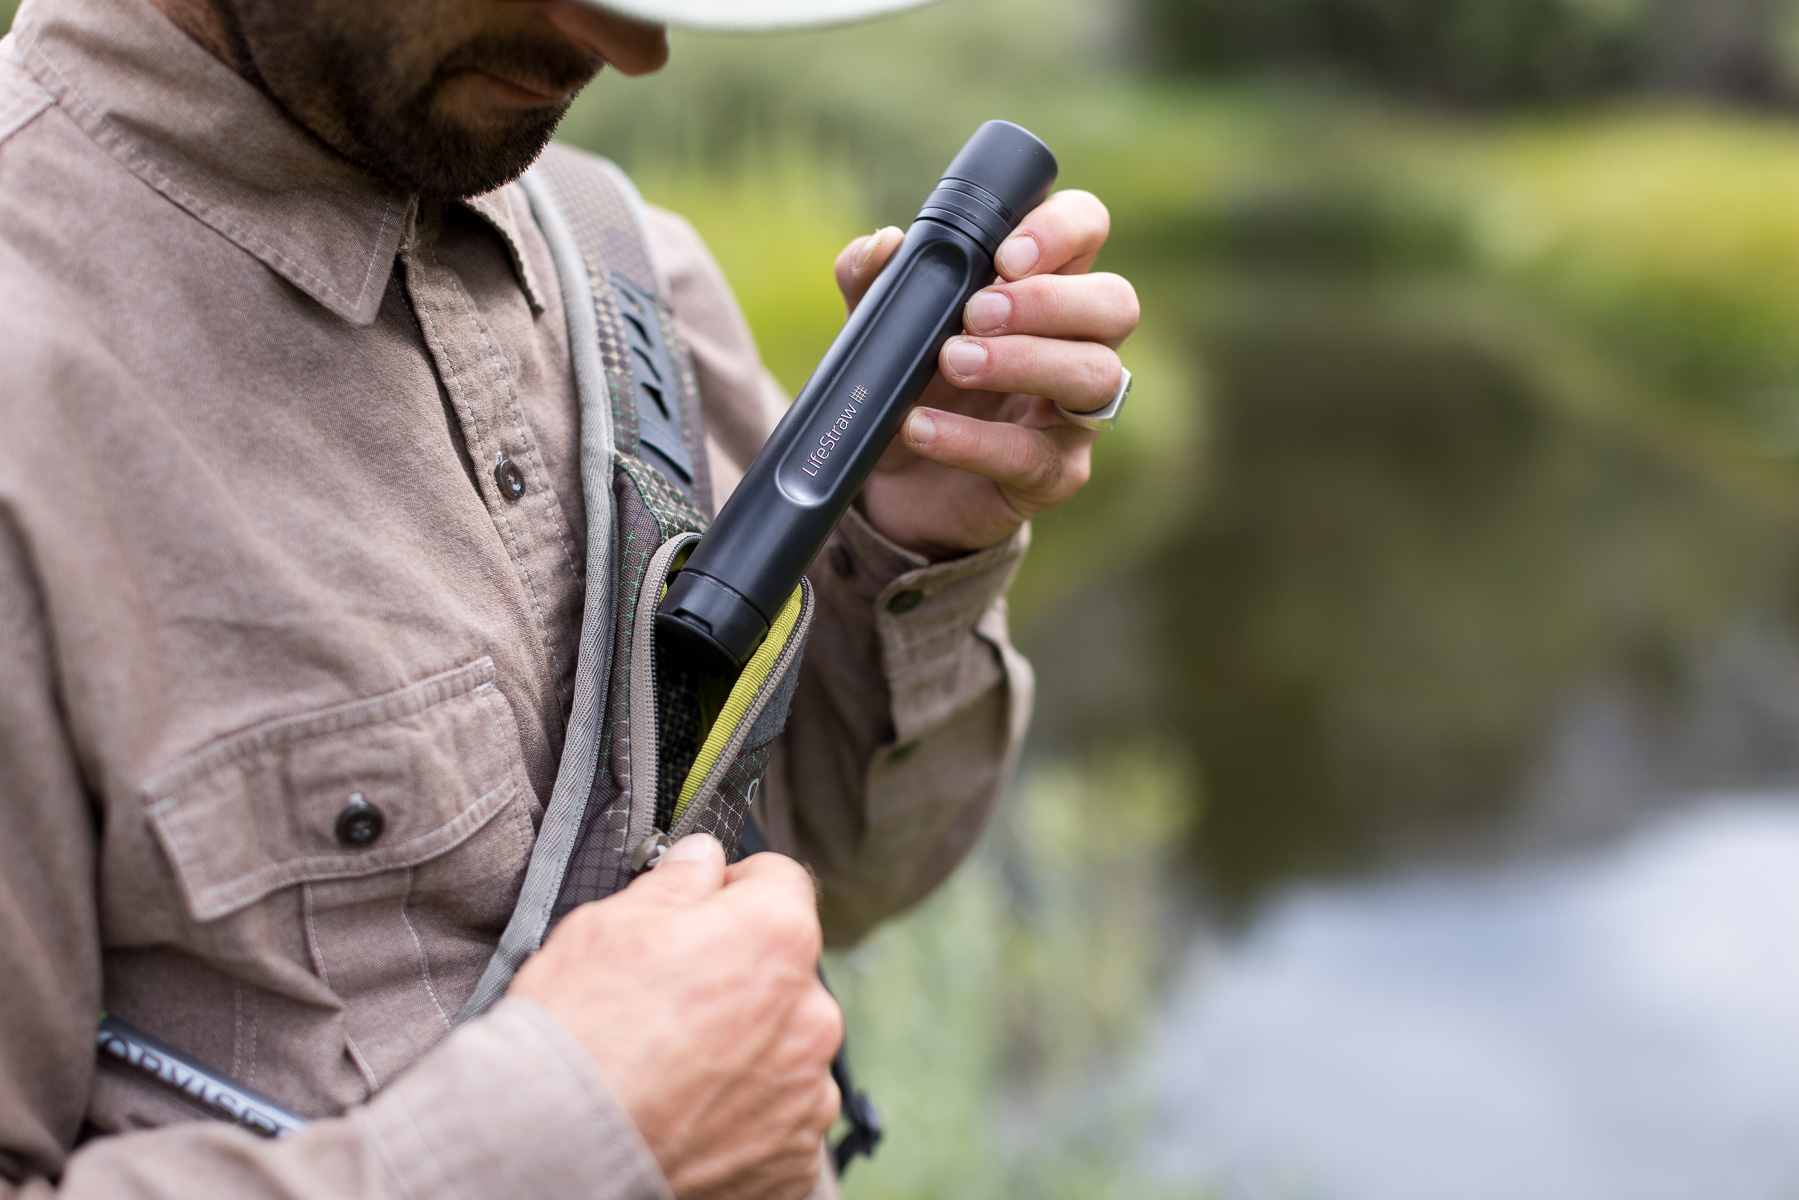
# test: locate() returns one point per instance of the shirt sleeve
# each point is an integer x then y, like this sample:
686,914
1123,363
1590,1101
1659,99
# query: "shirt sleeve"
507,1107
912,703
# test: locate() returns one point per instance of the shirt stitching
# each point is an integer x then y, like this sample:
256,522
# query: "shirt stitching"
255,1028
498,365
24,106
318,961
424,960
435,339
368,276
237,1029
521,558
516,545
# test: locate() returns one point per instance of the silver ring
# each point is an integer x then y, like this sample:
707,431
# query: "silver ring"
1107,417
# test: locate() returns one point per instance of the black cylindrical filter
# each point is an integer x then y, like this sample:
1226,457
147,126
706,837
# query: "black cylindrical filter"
775,523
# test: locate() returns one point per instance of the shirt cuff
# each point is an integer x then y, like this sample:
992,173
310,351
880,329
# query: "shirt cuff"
510,1105
924,613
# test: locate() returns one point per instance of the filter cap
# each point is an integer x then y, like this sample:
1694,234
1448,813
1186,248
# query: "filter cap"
1008,162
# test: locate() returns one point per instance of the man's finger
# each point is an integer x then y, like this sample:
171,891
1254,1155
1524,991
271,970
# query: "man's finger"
777,899
689,871
1047,468
1062,235
1090,308
1082,376
776,873
861,262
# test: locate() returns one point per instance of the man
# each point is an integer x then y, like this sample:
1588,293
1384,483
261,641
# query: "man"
291,577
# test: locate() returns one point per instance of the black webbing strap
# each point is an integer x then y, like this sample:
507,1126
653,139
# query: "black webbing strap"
859,1112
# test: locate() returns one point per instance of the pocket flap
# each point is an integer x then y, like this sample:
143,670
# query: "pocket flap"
259,810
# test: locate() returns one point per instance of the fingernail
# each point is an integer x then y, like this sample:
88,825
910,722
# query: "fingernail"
964,357
868,248
874,239
695,847
1018,255
988,312
920,429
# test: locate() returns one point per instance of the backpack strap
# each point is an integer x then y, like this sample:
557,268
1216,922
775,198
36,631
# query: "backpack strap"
644,480
649,368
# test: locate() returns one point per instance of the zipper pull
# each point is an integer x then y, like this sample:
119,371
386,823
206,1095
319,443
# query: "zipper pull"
650,852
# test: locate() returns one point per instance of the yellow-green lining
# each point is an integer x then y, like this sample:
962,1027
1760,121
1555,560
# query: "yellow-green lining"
743,694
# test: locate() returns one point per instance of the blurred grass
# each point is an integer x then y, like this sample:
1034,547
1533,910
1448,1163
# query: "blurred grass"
987,1023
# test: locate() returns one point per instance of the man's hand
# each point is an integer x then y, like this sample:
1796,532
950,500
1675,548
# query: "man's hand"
696,991
986,450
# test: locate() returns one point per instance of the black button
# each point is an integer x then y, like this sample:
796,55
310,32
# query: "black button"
841,562
509,477
906,601
360,824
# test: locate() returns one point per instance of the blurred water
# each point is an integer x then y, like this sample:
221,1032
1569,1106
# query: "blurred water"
1494,708
1624,1024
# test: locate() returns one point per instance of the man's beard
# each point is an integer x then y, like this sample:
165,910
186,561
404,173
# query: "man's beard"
390,113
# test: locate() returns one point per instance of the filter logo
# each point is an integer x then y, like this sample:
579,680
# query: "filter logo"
834,432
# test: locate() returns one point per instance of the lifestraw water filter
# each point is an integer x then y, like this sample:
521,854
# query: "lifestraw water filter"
749,562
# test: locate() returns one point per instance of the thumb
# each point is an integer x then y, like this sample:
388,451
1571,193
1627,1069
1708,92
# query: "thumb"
689,871
862,260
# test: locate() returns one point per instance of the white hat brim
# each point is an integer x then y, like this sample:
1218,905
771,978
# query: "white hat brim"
749,16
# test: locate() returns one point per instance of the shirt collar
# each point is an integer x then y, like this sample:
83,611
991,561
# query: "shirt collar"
507,210
213,144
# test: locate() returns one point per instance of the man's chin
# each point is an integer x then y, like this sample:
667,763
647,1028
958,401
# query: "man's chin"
444,159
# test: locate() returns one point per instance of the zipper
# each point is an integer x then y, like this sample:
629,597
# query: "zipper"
767,668
790,624
641,830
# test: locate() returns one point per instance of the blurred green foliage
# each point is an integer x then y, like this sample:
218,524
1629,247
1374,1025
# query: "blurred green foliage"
1492,51
1461,49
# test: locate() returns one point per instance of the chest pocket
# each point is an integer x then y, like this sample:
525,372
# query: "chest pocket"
394,831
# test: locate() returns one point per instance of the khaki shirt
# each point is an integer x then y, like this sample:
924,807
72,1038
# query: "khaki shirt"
253,555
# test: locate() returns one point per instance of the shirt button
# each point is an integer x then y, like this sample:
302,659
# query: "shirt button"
359,824
509,477
906,601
